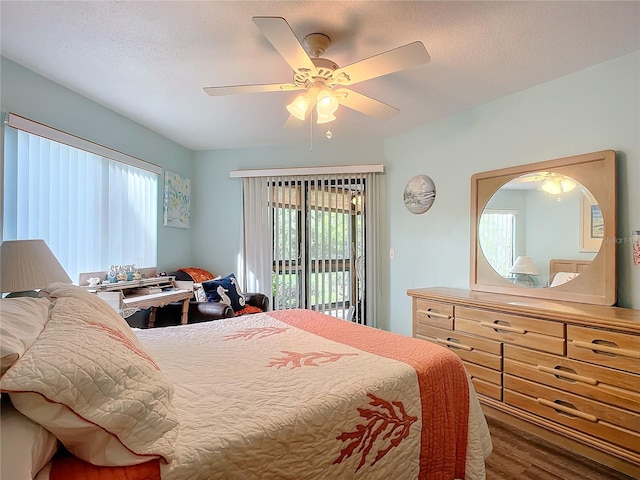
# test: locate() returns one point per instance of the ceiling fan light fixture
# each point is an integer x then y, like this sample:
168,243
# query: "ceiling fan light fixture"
556,185
298,108
327,103
326,118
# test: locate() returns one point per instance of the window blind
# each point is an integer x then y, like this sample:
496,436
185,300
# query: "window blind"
93,211
311,241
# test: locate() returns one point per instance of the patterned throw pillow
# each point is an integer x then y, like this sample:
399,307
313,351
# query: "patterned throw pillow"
198,293
225,290
100,393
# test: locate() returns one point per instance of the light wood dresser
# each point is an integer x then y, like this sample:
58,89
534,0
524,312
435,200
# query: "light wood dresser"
565,371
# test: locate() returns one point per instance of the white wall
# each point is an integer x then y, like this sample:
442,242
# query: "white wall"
595,109
33,96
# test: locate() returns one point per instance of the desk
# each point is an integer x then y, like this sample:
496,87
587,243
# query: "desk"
155,300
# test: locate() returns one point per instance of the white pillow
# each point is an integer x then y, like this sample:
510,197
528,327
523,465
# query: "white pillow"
25,446
562,277
89,381
198,293
21,321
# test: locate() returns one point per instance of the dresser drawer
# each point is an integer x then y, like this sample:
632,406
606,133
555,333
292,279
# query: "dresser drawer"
428,312
471,349
528,332
487,388
600,383
594,418
613,349
483,373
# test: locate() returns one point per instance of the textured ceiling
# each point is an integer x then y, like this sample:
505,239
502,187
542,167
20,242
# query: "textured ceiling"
150,60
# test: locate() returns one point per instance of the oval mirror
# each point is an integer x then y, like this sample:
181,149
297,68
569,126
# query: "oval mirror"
535,219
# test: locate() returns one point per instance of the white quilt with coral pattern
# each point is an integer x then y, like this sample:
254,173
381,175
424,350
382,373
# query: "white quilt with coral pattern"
299,395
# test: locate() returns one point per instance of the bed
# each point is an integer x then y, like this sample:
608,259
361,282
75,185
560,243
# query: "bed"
291,394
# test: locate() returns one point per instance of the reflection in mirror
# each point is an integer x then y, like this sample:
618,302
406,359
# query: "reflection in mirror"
535,218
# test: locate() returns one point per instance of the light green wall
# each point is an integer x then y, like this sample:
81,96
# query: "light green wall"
217,210
595,109
30,95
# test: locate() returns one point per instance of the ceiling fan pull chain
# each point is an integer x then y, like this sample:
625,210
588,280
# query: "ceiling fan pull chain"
311,129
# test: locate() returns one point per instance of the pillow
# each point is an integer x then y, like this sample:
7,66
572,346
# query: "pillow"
198,275
562,277
199,293
225,290
88,380
23,318
248,310
25,446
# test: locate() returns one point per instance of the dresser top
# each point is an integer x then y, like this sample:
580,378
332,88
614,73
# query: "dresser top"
593,315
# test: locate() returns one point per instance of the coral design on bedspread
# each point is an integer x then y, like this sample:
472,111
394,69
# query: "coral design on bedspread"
442,382
257,332
118,336
310,359
377,422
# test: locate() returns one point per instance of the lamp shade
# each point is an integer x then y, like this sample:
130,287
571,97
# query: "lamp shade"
327,103
325,118
298,108
524,265
28,265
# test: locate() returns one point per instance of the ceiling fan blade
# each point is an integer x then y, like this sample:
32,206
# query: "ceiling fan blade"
279,33
401,58
236,89
363,104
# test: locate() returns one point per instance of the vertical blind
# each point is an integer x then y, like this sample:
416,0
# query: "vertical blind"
91,210
496,232
310,240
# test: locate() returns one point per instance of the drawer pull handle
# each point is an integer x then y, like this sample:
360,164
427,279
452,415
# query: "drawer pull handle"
498,326
565,374
449,343
568,410
607,349
434,314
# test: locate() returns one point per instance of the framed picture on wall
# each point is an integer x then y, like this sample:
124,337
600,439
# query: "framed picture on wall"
597,222
591,225
177,200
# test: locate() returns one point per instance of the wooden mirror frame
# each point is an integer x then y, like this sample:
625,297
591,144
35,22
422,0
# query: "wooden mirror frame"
597,284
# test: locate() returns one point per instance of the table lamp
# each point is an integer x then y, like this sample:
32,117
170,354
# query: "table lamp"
523,268
28,265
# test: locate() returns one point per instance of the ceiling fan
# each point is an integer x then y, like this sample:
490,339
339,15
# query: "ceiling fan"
323,81
550,182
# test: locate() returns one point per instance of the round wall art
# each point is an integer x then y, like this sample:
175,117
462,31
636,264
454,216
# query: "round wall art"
419,194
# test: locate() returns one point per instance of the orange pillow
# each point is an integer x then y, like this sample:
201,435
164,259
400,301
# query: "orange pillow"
198,275
248,310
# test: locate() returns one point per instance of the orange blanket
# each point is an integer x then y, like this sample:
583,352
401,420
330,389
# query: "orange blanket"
198,275
441,377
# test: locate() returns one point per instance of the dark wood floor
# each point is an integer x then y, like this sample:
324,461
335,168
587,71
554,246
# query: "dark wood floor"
518,455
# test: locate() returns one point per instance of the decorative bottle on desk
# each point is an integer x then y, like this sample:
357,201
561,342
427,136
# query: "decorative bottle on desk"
112,275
